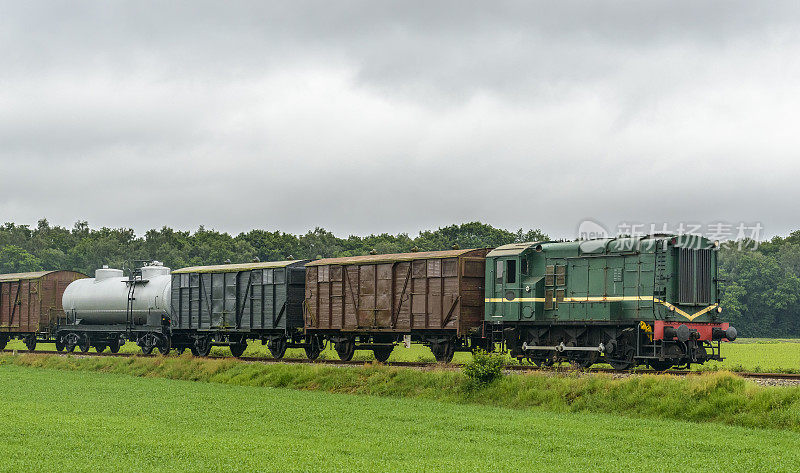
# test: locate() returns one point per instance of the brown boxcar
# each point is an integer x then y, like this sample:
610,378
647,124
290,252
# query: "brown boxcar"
431,297
30,305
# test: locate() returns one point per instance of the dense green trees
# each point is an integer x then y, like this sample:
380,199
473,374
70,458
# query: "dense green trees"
761,294
14,259
84,249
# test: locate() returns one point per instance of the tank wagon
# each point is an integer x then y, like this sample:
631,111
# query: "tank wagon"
225,305
624,301
373,301
104,311
30,305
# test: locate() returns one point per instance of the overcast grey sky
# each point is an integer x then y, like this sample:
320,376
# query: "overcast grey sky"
370,117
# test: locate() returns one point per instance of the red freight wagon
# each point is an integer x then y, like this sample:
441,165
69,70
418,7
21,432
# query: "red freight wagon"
374,301
30,305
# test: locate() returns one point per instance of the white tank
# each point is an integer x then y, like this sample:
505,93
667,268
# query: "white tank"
103,299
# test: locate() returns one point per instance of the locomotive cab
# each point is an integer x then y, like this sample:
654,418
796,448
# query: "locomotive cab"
510,278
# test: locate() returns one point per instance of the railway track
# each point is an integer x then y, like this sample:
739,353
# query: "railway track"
425,364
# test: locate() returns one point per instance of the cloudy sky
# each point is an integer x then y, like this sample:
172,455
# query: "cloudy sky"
368,117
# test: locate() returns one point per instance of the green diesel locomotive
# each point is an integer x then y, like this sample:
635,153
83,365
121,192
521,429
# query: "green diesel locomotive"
650,300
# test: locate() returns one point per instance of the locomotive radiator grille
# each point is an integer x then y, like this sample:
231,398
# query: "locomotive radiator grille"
703,282
694,276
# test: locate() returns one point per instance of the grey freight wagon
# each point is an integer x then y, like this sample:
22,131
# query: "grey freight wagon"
226,305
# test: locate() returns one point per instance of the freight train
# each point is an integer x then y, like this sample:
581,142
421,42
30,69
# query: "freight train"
650,300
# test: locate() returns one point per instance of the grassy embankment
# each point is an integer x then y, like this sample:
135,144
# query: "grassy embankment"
715,397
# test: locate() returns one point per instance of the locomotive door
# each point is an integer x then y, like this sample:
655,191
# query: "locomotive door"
507,287
631,286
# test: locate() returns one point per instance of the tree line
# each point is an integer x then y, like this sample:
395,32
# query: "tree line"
761,287
760,295
84,249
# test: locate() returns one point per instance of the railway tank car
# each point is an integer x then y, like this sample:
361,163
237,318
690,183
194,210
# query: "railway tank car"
104,311
626,301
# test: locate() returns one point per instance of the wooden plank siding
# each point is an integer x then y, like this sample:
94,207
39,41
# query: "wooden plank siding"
396,293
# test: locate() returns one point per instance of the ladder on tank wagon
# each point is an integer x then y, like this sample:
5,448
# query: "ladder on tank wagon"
131,282
134,278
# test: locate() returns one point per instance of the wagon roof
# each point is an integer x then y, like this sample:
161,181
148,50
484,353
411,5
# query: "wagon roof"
390,258
21,276
225,268
512,249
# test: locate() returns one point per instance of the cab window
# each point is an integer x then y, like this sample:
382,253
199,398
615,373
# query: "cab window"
498,271
511,271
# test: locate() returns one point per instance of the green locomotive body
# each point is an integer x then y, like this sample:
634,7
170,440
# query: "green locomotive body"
626,301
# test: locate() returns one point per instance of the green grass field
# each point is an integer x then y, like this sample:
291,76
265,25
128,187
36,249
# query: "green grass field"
86,421
761,355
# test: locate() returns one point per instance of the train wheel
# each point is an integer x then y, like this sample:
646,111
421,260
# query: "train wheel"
59,343
314,347
202,346
164,344
70,342
101,347
623,360
382,353
114,345
443,351
277,346
673,354
148,343
84,344
586,360
30,342
237,349
451,351
346,349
